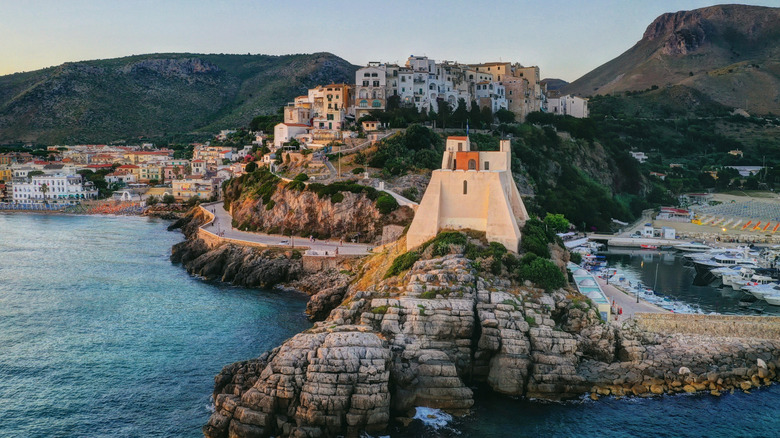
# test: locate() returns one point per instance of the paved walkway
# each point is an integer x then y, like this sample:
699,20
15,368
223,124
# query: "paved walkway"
627,302
223,224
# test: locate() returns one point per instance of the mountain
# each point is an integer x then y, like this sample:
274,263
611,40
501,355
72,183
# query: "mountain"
729,53
553,83
155,95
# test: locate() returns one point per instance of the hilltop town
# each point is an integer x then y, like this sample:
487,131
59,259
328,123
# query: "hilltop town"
329,118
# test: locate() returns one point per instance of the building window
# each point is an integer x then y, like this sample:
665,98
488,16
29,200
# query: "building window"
366,75
460,147
365,83
376,104
472,165
364,103
487,165
376,83
465,187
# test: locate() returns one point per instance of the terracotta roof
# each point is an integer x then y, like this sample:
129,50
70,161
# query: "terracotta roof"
128,166
297,124
457,138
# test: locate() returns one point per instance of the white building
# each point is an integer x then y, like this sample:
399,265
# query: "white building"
60,189
370,89
568,105
284,132
639,156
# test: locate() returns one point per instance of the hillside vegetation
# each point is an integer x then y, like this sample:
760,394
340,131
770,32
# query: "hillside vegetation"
155,95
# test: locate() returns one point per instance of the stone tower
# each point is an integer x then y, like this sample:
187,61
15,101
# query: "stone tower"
472,190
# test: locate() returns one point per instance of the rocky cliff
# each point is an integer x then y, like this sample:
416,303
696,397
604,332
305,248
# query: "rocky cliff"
262,202
235,264
728,53
257,267
425,337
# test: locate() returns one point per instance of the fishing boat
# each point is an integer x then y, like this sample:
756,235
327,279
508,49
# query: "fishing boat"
644,246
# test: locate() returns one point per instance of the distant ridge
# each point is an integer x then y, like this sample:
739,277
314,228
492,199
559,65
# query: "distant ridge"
156,94
729,53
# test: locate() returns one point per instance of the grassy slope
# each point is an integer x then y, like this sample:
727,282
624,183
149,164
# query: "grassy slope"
149,95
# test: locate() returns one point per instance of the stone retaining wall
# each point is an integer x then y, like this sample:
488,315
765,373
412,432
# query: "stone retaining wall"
734,326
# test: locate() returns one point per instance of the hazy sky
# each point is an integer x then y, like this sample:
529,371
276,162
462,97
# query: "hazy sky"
566,39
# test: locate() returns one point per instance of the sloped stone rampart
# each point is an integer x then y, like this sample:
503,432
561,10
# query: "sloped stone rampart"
737,326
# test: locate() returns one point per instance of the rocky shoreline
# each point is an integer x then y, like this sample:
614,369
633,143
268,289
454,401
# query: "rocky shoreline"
256,267
430,336
384,346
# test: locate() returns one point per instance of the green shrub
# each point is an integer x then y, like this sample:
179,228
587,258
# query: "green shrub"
270,204
250,167
410,193
576,258
301,177
386,204
429,294
296,185
380,310
337,197
536,237
531,321
543,273
402,263
358,170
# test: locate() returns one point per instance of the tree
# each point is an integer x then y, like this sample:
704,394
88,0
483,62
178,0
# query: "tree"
557,223
505,116
168,199
474,114
250,167
445,113
44,190
487,116
152,200
460,114
386,203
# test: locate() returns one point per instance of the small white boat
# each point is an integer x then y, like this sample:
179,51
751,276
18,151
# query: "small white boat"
692,247
755,280
772,299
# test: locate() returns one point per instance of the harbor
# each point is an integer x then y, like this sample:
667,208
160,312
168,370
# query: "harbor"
710,282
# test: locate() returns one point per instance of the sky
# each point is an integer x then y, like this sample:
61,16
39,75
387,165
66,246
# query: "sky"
566,39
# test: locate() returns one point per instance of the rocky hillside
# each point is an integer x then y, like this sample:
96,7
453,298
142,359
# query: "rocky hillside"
154,95
427,336
262,202
730,53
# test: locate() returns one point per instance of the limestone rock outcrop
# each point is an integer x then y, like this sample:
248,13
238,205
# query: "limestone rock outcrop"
426,338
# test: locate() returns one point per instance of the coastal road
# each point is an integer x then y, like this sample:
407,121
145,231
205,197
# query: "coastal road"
223,224
627,302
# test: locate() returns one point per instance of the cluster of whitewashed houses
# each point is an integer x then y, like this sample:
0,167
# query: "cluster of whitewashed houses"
317,118
133,169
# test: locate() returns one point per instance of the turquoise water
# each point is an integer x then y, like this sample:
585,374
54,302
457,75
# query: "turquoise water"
100,335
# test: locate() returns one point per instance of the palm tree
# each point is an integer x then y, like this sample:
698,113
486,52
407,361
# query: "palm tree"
44,189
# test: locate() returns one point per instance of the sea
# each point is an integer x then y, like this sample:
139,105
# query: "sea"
102,336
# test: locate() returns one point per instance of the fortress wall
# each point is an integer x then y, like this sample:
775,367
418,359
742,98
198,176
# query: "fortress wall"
735,326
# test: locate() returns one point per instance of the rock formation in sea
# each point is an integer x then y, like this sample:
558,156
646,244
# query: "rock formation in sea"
426,337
